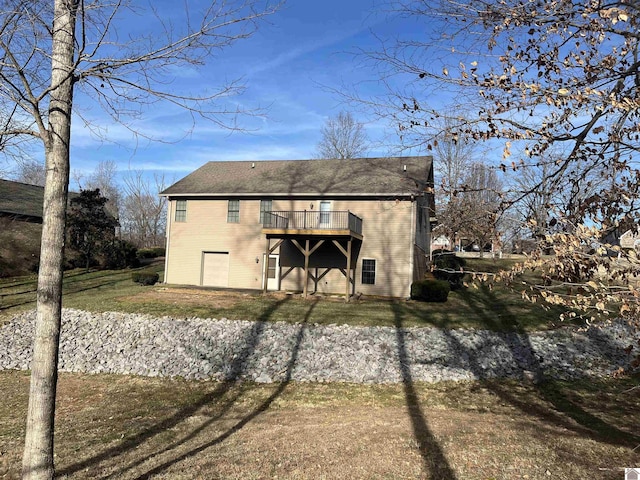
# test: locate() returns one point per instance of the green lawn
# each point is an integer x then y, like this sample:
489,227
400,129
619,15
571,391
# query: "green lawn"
95,288
477,306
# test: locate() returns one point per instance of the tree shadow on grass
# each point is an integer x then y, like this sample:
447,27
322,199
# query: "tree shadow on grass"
433,458
236,369
31,282
78,289
562,411
128,445
72,284
547,401
263,407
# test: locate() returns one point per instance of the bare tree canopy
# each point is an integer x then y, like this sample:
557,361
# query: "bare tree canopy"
30,171
453,154
554,87
342,137
472,210
120,70
143,219
55,52
104,179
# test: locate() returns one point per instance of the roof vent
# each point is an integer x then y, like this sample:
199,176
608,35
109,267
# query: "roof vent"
253,164
404,168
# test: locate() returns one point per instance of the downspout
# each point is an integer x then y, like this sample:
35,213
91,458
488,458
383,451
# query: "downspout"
167,235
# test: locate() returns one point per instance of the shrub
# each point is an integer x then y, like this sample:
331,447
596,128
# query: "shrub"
448,267
151,252
74,260
145,253
430,290
119,254
145,277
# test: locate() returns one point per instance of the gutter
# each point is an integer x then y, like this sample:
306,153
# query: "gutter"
286,195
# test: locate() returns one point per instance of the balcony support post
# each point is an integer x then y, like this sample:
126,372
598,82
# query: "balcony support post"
347,292
307,252
306,268
347,272
265,267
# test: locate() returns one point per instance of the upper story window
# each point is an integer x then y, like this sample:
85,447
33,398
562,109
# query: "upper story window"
181,210
368,271
265,206
233,211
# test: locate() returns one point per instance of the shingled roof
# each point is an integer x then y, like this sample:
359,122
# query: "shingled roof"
359,176
21,199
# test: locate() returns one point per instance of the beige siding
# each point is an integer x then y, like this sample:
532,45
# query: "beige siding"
387,238
207,230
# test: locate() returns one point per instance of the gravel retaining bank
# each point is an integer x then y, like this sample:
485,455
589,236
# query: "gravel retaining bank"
271,352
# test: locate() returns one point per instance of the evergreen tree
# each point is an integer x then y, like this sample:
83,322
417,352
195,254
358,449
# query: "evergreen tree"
90,227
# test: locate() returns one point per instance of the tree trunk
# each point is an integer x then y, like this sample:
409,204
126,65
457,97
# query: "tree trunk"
37,462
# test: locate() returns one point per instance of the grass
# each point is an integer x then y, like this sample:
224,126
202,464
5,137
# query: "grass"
95,289
499,309
130,427
116,426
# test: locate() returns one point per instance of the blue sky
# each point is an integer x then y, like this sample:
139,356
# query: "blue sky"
289,66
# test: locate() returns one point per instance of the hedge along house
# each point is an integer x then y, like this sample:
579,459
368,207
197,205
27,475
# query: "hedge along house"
325,226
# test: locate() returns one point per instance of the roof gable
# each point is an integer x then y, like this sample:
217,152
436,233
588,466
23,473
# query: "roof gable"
353,177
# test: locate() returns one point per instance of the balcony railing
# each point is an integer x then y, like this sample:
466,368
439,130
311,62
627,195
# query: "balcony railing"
313,220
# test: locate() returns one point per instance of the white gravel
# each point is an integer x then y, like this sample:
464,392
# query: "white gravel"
270,352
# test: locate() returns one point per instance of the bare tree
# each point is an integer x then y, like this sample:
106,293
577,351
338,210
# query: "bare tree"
143,219
472,211
547,80
453,154
104,178
453,157
54,50
342,137
31,171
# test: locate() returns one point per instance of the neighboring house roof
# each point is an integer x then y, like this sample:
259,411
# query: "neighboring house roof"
21,199
333,177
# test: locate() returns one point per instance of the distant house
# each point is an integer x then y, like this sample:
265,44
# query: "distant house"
632,474
20,227
630,240
441,242
328,226
21,201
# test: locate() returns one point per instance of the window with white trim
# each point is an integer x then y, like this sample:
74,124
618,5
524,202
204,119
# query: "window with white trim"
181,211
265,207
368,271
233,211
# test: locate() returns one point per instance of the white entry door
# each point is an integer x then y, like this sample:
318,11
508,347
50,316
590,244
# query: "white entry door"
273,273
215,269
325,214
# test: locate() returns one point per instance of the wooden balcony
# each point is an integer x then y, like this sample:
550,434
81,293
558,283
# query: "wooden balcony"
312,223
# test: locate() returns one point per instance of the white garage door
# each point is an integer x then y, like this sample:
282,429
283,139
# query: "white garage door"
215,269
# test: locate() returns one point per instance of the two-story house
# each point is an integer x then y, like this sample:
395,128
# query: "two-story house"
327,226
